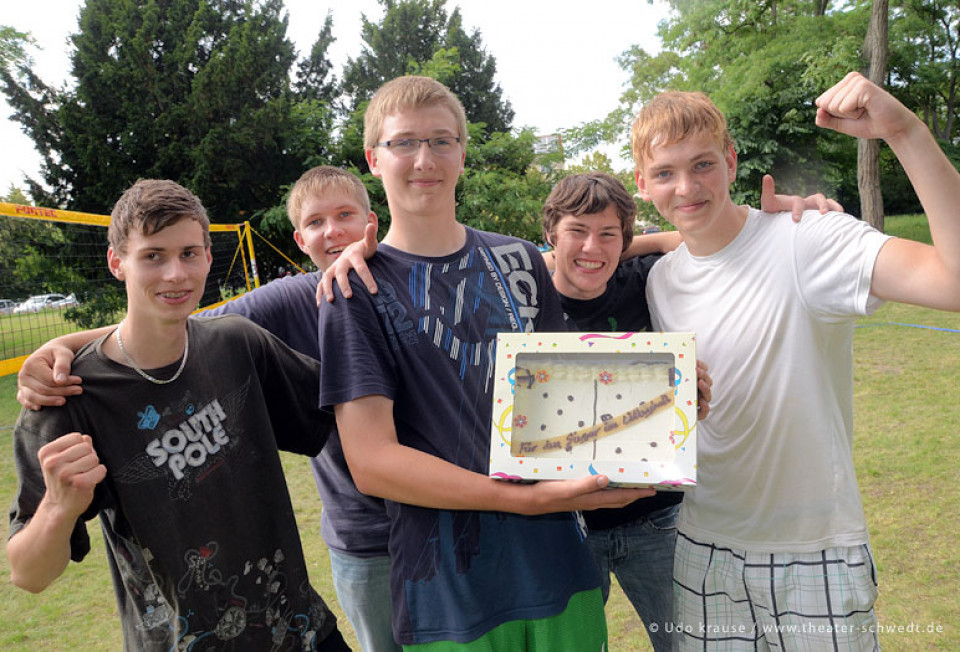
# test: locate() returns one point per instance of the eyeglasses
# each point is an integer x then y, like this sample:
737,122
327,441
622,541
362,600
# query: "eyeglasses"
441,145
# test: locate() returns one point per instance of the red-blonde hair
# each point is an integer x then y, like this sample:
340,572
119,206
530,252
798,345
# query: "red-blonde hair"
674,116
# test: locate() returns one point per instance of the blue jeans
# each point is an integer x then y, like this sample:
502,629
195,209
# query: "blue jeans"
363,590
640,554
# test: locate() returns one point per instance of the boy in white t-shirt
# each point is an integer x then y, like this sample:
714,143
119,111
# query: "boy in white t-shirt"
773,547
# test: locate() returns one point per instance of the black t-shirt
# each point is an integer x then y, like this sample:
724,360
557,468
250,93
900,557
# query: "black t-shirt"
199,527
622,307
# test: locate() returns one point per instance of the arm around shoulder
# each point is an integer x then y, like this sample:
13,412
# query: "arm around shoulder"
44,378
652,243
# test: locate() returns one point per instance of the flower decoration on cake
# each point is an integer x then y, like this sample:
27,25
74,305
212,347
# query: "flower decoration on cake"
605,377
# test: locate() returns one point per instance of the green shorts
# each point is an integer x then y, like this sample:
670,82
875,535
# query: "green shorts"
581,626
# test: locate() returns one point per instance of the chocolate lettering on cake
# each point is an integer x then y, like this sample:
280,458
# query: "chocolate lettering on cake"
608,427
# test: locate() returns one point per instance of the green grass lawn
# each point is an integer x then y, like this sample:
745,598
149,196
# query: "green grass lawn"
21,334
907,451
907,454
911,227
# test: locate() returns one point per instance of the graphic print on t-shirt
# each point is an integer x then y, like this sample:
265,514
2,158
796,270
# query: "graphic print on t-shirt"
189,439
463,320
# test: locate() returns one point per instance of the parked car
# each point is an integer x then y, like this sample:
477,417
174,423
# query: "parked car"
7,306
644,227
65,302
44,301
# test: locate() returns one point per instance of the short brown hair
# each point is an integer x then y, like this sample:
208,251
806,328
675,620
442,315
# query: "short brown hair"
151,205
406,93
673,116
324,180
585,194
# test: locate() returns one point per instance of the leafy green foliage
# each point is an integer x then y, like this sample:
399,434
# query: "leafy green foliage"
315,78
102,306
202,93
15,195
38,257
189,90
31,254
502,190
12,42
924,70
762,64
419,37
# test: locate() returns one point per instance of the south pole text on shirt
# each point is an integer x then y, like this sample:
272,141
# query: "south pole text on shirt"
190,443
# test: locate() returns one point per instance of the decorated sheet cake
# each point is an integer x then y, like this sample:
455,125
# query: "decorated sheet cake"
621,404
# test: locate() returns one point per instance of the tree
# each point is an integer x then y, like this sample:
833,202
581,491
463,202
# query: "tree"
12,47
501,189
762,64
14,60
315,78
409,32
924,66
868,150
418,37
16,195
189,90
475,82
310,139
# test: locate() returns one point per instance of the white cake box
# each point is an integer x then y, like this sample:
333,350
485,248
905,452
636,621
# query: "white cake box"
624,405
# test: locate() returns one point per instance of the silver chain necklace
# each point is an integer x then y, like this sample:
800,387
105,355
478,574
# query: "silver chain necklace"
156,381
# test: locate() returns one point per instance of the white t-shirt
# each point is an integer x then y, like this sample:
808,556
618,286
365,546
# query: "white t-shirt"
773,314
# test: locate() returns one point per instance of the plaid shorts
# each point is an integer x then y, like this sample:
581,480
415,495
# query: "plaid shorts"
737,600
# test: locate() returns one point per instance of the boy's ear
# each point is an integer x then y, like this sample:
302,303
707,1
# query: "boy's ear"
642,186
299,240
371,218
372,161
114,264
731,159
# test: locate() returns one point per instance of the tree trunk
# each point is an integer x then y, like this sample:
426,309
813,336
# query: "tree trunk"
868,151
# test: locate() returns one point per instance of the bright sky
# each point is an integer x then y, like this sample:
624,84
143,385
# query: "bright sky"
555,58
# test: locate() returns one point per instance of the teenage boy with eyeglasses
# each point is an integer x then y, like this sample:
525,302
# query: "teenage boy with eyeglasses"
477,563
